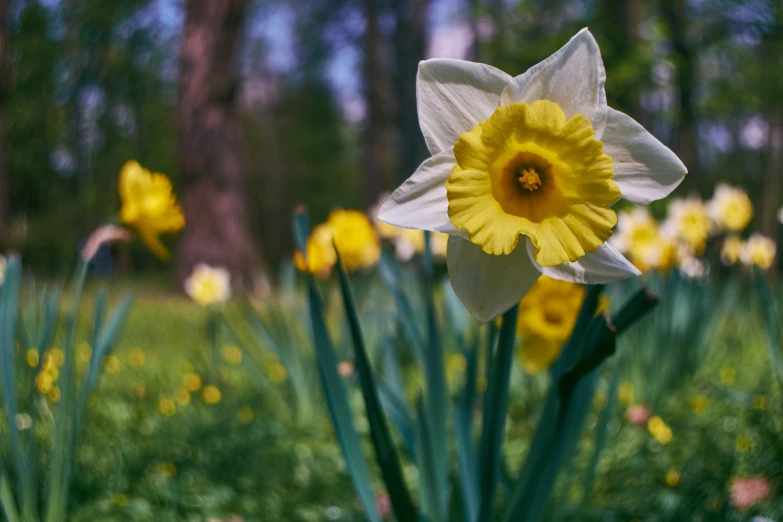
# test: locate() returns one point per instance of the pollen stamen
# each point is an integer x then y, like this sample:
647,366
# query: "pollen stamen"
529,179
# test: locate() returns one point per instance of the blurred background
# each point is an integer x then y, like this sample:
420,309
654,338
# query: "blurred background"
254,106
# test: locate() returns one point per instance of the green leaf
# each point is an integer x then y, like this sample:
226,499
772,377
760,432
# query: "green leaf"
385,451
771,316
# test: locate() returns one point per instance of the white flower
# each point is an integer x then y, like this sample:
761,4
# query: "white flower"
490,268
3,266
208,285
694,268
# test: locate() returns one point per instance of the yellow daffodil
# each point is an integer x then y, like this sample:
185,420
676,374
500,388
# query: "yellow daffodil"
208,285
321,256
523,173
149,206
731,250
547,316
658,429
637,235
355,239
689,222
731,208
759,251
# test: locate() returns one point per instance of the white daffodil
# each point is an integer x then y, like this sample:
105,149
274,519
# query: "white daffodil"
539,157
208,285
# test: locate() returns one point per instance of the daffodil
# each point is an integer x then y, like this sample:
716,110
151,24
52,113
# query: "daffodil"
731,250
149,206
637,235
321,256
759,251
523,174
208,285
355,239
731,208
689,222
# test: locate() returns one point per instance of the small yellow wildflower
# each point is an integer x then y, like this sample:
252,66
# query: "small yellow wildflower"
537,354
112,364
120,500
83,353
731,251
232,354
759,251
456,363
761,402
136,358
182,396
658,429
743,443
44,381
167,406
626,393
54,394
245,415
211,394
277,372
32,357
208,285
688,221
321,256
57,357
730,208
355,239
672,478
699,403
149,206
192,382
727,375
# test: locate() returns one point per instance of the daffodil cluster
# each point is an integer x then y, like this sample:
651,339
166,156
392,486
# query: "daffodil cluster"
351,232
681,238
524,173
208,285
49,371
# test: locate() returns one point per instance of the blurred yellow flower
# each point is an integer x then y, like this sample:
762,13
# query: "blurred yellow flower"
658,429
537,354
31,357
699,403
232,354
112,364
688,221
355,239
759,251
136,358
321,256
730,208
456,363
761,402
208,285
731,251
54,394
743,443
626,393
182,396
672,478
192,382
166,406
120,500
636,229
245,415
23,421
149,206
168,469
439,242
727,375
277,372
83,352
211,394
44,381
57,357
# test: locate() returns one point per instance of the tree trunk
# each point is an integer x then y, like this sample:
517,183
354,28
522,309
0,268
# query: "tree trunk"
410,46
772,180
375,166
5,213
210,142
686,145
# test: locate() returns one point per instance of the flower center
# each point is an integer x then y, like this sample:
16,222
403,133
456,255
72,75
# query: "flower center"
529,179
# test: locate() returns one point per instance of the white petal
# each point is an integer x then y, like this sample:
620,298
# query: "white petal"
421,201
573,77
453,96
605,265
644,168
488,285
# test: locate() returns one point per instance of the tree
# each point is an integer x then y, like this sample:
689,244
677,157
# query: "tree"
210,142
4,92
375,165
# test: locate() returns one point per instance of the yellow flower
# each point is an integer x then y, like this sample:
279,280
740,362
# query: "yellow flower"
44,381
136,358
83,352
730,208
191,381
31,357
211,394
761,402
759,251
208,285
245,415
149,206
550,309
727,375
537,354
530,170
407,243
232,354
636,230
699,403
743,443
658,429
182,396
321,256
277,372
57,357
355,239
439,243
112,364
54,394
672,478
166,406
731,251
689,222
626,393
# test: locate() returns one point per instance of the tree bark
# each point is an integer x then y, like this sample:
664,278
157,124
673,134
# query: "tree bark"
686,145
210,142
410,46
5,149
375,167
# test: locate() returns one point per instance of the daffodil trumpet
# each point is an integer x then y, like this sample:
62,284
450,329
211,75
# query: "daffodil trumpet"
524,172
